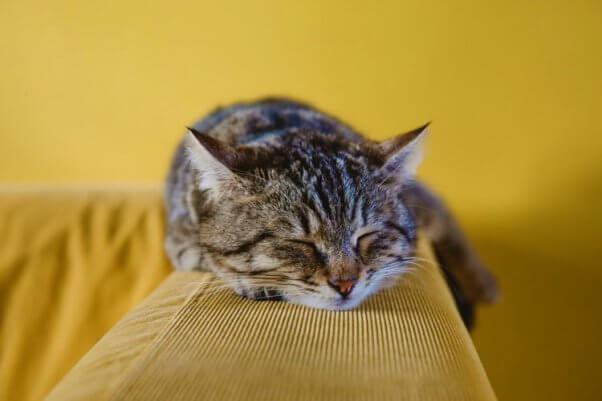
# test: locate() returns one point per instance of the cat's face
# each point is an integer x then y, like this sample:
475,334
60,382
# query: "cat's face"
314,223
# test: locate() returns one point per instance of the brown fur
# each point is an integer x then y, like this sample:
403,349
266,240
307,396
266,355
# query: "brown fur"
283,201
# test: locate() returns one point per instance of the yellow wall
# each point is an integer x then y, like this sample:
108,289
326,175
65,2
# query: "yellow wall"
92,91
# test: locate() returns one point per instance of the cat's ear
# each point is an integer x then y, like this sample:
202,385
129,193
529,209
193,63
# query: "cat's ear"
403,154
213,159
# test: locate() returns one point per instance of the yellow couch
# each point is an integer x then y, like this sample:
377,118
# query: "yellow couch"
101,92
76,260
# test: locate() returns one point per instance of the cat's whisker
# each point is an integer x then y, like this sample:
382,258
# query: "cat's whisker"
423,260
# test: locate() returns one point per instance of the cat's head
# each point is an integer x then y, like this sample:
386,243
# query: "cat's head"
309,218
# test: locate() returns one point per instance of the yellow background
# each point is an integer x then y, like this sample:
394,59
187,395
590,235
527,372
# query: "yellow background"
97,91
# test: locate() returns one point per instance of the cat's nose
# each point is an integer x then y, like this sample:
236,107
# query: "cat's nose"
343,287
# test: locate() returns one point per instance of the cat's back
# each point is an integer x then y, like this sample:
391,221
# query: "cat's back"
253,122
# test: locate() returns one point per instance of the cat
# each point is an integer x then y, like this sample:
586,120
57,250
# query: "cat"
285,202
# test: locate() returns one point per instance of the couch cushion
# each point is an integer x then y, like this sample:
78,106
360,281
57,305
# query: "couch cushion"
73,261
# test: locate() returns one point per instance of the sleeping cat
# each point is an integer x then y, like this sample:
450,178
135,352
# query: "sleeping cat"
285,202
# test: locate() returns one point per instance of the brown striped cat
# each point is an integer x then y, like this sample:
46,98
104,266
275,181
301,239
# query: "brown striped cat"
285,202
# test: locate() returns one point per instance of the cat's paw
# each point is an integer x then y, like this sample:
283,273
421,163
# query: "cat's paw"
260,294
480,285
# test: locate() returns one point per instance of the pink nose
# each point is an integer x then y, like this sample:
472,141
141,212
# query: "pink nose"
343,287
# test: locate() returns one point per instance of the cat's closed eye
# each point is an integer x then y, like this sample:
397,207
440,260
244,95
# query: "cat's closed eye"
373,244
303,249
362,244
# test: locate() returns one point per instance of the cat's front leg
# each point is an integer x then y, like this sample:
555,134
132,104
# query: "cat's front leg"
182,247
260,294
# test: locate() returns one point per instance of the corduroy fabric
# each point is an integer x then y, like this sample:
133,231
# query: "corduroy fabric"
194,340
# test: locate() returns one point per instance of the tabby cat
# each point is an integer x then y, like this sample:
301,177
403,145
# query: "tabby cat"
285,202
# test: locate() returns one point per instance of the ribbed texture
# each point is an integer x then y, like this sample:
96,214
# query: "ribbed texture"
406,343
98,373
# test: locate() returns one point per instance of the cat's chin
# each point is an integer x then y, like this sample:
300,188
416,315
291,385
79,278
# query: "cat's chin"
327,304
309,301
344,305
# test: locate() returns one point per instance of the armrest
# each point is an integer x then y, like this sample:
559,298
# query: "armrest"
193,340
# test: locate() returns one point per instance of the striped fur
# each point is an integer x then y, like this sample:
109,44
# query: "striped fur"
285,202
